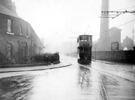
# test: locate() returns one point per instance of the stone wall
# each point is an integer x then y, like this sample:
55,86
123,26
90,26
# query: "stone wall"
116,56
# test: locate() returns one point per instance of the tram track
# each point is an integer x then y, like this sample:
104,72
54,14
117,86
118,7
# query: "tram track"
113,74
115,78
103,92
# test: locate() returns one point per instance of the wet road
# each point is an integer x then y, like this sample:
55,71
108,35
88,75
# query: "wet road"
76,82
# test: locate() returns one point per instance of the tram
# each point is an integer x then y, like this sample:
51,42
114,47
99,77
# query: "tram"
84,49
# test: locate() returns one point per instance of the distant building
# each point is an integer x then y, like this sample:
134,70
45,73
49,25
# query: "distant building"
96,46
115,37
127,43
17,38
69,47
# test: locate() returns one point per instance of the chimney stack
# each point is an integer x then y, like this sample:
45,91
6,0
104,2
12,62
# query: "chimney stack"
104,26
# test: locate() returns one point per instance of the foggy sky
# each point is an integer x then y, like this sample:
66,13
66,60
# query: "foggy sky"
60,20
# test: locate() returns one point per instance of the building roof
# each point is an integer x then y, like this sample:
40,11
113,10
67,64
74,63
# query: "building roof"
115,28
4,10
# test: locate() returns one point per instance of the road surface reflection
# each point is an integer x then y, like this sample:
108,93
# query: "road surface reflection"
16,87
91,84
103,86
76,82
118,88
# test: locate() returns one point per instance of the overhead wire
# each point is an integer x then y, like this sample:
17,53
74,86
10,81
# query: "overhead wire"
120,25
119,14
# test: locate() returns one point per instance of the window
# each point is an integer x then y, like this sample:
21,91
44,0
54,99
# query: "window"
9,50
89,38
9,25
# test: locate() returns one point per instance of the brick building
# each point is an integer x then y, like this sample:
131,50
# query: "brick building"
114,37
17,38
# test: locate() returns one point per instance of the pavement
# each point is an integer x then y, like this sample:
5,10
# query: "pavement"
121,66
35,67
125,71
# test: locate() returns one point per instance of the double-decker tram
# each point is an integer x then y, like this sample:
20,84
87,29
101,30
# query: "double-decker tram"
84,49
